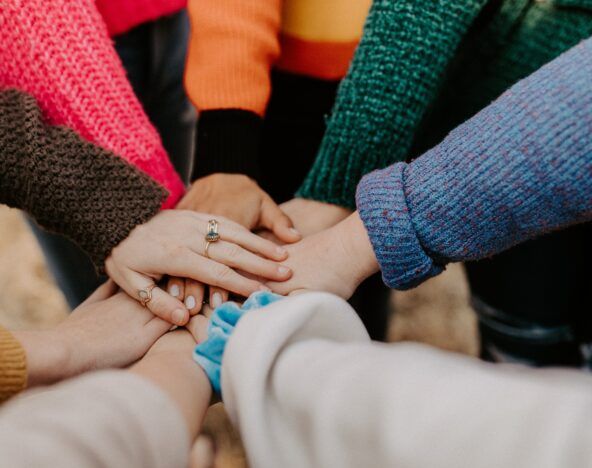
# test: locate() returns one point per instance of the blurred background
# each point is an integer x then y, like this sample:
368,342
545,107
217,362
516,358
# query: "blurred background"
436,313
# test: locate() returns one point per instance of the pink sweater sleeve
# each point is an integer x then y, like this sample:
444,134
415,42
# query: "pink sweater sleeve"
59,51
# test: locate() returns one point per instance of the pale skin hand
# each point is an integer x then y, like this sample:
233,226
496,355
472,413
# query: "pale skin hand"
108,330
336,260
173,243
310,216
237,198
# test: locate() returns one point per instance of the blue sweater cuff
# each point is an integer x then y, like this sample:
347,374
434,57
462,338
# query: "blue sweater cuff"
209,354
382,206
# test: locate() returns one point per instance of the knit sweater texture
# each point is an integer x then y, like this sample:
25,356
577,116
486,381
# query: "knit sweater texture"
13,366
518,169
423,68
122,15
59,52
69,185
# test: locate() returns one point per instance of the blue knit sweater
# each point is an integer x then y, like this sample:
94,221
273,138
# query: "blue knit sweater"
520,168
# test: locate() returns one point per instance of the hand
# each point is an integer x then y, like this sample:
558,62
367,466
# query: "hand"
173,243
310,216
239,199
108,330
336,260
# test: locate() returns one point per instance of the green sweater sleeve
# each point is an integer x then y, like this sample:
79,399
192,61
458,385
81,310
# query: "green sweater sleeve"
395,74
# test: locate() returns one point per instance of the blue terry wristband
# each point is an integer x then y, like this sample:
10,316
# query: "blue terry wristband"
209,354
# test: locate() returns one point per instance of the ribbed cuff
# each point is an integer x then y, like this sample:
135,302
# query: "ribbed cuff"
13,366
228,142
383,209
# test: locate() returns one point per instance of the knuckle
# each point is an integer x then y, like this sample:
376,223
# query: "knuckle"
233,251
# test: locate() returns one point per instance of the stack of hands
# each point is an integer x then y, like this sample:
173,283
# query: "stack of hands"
301,245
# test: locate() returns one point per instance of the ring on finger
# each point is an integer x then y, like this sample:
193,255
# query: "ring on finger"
212,234
206,253
145,294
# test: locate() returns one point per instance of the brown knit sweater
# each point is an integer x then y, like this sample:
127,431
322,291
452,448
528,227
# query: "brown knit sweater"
68,185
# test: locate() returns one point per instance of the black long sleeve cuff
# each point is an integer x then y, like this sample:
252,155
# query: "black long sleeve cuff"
228,141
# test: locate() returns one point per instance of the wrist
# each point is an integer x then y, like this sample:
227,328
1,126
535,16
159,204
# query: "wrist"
358,244
48,356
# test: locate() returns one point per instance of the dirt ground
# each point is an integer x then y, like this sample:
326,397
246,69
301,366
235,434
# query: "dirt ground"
436,313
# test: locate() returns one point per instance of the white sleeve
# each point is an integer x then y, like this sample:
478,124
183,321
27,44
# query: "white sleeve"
104,419
307,388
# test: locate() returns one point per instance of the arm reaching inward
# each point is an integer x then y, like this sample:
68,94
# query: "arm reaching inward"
518,169
305,374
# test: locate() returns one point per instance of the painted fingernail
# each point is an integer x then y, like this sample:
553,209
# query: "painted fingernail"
281,251
295,231
174,290
190,302
216,300
178,316
283,270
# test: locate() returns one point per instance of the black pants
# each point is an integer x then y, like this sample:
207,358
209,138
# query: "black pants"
533,302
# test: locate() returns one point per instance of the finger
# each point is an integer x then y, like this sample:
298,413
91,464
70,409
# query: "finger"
176,287
208,271
194,294
104,291
278,222
236,257
237,234
217,297
198,327
161,304
207,311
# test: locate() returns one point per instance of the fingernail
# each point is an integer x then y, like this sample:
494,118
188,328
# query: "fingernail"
281,251
174,290
216,300
190,302
283,270
264,288
295,231
179,316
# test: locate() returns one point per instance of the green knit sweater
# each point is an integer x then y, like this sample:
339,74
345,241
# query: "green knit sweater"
423,67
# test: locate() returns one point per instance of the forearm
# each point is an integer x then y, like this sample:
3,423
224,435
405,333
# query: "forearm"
68,185
232,49
183,381
80,83
516,170
321,394
395,74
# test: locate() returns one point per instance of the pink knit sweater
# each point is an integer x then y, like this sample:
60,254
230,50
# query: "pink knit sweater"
60,52
122,15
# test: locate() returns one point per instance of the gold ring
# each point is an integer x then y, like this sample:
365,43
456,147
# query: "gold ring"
207,247
145,294
212,235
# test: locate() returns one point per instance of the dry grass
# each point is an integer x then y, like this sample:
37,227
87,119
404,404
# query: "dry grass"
436,313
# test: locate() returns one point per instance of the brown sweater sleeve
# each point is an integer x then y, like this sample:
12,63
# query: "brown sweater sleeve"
13,366
68,185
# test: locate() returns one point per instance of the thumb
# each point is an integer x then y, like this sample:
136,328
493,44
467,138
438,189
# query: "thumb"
275,220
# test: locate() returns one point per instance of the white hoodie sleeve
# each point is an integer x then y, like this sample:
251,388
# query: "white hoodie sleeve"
307,388
106,419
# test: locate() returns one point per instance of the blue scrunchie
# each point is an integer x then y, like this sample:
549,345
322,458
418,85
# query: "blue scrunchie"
209,353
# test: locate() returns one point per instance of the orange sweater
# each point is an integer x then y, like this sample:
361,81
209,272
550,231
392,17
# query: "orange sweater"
235,43
13,366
